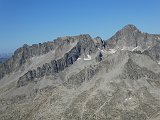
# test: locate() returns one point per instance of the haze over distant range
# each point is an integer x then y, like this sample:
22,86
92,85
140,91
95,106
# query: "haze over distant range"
4,57
34,21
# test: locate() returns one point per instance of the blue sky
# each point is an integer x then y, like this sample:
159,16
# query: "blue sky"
35,21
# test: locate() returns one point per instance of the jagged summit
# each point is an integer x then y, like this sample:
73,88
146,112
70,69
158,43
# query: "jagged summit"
130,27
129,37
76,36
129,30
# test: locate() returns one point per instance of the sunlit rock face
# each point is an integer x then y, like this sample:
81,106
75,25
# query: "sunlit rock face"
84,78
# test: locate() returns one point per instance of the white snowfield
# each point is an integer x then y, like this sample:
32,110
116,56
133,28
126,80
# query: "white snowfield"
101,50
112,51
130,48
135,48
88,57
159,62
79,59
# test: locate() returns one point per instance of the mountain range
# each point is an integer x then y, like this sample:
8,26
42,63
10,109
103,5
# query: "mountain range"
84,78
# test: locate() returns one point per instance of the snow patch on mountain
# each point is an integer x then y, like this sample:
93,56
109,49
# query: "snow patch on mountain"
79,59
101,50
135,48
88,57
128,98
112,51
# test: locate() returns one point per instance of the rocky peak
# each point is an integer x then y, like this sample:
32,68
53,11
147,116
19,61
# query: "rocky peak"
131,38
130,27
98,38
99,42
71,39
128,30
127,36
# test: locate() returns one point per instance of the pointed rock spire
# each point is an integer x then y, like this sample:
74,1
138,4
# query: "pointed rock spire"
130,27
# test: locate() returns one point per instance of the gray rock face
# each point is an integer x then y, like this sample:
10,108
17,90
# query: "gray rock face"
83,46
100,42
99,57
86,74
84,78
154,53
51,68
22,54
134,72
130,36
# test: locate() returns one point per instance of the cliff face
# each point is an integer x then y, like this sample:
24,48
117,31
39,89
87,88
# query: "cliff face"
84,78
84,46
21,55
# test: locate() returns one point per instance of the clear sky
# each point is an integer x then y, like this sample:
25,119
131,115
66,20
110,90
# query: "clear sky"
35,21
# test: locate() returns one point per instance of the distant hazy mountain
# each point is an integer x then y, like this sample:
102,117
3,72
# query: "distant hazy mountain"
3,60
4,57
84,78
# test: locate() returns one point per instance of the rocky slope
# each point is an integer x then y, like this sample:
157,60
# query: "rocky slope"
84,78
